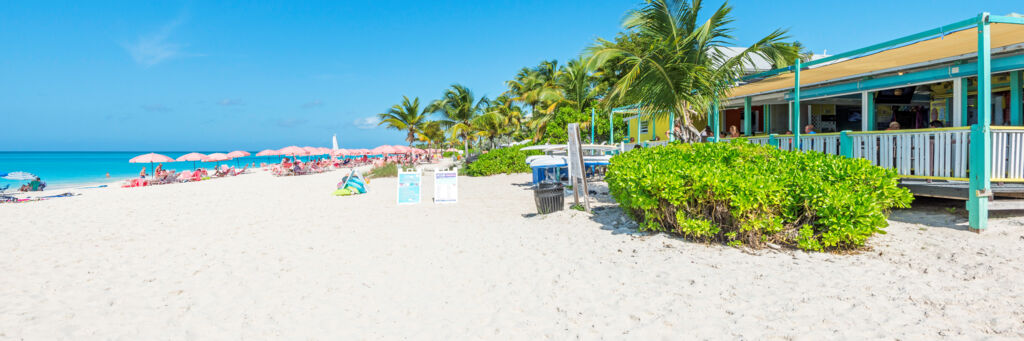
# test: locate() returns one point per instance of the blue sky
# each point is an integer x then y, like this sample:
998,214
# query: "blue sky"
204,75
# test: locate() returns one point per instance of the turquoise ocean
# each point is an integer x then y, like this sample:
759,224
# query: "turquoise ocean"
79,169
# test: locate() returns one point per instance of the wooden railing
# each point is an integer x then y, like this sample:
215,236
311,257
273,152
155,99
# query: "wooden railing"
940,153
1008,154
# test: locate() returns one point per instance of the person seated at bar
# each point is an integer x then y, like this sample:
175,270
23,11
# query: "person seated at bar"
935,124
809,129
734,132
894,126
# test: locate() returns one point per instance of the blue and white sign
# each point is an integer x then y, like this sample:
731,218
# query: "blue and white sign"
446,187
408,188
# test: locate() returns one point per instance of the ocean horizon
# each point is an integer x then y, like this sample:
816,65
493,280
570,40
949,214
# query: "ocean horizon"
69,169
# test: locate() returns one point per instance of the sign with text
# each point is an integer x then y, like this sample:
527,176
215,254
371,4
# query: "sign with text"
446,187
408,187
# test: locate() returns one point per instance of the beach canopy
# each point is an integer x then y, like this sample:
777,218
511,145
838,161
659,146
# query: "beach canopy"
385,149
18,176
238,153
292,150
151,158
268,152
191,157
217,157
310,150
340,152
402,149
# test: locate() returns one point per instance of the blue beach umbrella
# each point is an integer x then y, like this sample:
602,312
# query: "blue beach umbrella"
18,176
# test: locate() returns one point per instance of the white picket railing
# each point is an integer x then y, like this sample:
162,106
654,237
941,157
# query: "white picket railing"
827,143
929,153
1007,154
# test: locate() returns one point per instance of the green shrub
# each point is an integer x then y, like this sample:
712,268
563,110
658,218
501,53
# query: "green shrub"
388,170
448,154
743,194
502,160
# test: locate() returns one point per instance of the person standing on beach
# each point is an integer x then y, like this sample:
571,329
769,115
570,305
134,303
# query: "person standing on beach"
142,174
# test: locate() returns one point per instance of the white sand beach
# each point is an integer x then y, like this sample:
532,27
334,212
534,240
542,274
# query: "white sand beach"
256,257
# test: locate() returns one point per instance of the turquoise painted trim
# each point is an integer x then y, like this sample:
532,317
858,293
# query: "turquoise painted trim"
1016,114
981,137
964,105
714,122
796,106
965,70
869,114
766,112
1006,20
746,117
941,30
671,126
591,125
845,144
773,140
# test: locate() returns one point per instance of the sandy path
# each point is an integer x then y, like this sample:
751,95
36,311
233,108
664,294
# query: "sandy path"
257,257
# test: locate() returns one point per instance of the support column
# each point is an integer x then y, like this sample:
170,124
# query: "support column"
1016,114
766,113
867,108
946,115
591,125
796,106
959,107
845,144
671,126
964,105
981,139
747,119
713,122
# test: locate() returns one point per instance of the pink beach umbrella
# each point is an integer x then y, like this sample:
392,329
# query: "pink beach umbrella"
150,159
383,150
217,157
402,149
267,152
310,150
292,151
237,154
192,157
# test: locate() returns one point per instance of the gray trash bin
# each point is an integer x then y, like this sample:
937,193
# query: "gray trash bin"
549,197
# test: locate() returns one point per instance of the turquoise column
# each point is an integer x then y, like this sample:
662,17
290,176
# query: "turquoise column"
773,140
591,125
671,126
869,112
981,138
654,127
845,144
714,122
964,106
796,106
746,117
767,117
1016,116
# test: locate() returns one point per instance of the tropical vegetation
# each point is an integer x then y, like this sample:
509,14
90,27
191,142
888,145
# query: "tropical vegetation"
673,57
739,193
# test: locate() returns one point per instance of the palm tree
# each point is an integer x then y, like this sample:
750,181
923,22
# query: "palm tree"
406,116
458,108
432,133
675,65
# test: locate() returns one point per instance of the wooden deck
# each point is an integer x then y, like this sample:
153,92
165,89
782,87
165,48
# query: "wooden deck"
1008,196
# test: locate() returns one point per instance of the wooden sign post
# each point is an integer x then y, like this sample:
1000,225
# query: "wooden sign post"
577,170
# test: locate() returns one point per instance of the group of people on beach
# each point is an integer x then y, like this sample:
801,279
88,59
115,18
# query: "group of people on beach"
33,186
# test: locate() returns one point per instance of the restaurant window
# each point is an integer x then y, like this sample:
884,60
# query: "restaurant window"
644,126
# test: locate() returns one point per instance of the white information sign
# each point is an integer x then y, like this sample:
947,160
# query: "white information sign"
446,187
408,187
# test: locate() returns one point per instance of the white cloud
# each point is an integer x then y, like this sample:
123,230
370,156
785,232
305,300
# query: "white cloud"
366,122
154,48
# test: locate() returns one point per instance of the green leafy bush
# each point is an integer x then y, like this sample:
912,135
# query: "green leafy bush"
743,194
448,154
502,160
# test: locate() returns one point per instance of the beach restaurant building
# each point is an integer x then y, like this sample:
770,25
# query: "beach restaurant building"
942,107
